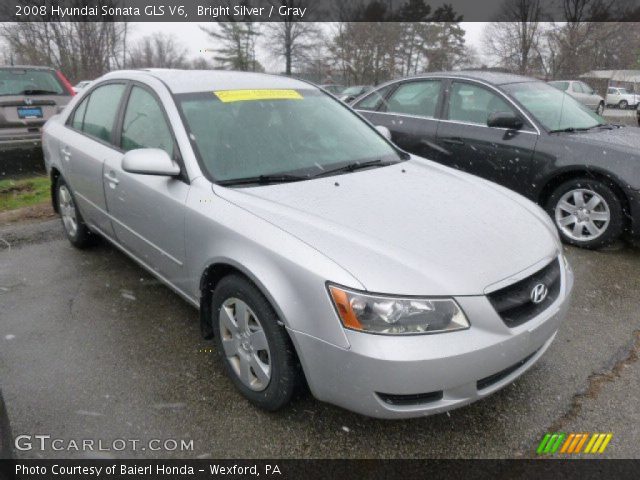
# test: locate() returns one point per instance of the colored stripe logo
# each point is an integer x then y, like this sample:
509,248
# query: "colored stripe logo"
572,443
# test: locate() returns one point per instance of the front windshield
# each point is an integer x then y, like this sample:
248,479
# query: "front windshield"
553,108
303,133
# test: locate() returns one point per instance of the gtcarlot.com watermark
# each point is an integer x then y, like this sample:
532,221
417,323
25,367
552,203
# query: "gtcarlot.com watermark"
25,443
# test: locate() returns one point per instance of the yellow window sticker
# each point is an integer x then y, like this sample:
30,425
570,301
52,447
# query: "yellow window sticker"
228,96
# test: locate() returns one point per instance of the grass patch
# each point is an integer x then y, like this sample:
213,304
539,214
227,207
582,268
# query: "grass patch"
24,192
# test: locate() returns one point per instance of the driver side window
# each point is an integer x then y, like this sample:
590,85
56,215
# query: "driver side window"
470,103
144,124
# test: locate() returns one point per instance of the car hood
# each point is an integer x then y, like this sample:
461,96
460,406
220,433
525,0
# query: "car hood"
624,138
414,228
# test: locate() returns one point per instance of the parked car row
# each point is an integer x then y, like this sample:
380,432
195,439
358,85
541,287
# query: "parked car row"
179,169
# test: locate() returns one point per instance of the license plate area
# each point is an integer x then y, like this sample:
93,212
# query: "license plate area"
29,112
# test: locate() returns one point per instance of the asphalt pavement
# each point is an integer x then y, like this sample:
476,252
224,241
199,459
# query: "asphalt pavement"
93,348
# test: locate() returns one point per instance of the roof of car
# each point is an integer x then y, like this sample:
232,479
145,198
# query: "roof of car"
186,81
495,78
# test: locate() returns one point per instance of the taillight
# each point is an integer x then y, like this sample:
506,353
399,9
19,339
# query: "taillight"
65,82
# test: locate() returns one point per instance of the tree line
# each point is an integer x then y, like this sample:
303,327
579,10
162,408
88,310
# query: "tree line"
382,44
524,40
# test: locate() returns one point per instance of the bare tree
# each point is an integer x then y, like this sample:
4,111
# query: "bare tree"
81,50
235,42
290,39
158,50
515,35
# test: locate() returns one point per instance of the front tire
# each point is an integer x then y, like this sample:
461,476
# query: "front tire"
623,104
587,213
77,231
600,108
256,351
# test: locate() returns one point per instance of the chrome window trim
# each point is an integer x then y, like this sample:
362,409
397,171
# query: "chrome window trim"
471,80
407,115
487,126
447,121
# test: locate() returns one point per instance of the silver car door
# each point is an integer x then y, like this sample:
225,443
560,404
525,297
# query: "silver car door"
148,211
86,146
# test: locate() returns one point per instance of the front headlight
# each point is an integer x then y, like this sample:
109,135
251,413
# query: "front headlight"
396,315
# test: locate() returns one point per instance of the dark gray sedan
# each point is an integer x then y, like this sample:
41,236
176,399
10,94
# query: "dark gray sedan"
525,135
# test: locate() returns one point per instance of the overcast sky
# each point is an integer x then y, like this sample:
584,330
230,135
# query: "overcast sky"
194,39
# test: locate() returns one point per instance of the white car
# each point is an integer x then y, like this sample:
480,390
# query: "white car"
622,98
581,92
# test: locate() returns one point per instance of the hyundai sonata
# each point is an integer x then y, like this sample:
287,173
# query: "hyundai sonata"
316,251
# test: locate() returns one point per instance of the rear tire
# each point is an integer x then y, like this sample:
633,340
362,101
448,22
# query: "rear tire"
587,213
600,109
254,347
77,231
623,104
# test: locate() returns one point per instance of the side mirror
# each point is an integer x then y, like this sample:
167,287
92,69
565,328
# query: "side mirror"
150,161
505,120
386,133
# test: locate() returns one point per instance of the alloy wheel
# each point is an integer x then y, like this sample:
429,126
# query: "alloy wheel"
582,214
67,211
245,344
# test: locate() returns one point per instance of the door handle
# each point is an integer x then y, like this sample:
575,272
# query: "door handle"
111,177
66,153
453,141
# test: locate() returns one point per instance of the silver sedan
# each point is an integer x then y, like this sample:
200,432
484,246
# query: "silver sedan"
316,251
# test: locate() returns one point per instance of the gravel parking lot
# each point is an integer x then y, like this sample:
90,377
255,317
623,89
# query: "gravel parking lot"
92,347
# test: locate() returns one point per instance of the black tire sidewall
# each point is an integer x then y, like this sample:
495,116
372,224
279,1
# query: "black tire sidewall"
623,104
285,372
616,222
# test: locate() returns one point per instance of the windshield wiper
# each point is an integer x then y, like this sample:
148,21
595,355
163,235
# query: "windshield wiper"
568,130
352,167
583,129
263,179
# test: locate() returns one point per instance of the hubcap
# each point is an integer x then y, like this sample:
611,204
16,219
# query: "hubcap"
245,344
67,211
582,214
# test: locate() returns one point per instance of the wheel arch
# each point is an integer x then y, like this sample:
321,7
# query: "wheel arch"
54,175
555,181
210,277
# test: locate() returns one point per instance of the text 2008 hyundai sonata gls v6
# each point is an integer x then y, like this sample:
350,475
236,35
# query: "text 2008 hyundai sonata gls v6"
314,248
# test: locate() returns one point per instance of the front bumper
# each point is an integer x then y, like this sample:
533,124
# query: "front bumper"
409,376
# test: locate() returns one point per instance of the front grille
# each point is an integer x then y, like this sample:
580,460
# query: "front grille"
496,377
514,303
414,399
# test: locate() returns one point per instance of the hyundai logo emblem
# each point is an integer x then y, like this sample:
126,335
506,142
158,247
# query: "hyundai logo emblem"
539,293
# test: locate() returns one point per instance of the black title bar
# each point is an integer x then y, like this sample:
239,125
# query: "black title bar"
314,10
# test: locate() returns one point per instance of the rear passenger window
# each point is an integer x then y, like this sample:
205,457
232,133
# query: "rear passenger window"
144,124
415,98
101,111
78,115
